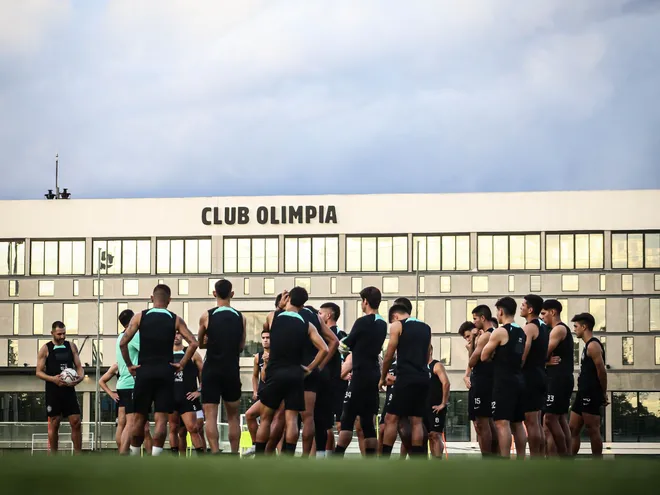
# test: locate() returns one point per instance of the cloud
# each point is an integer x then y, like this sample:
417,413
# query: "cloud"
26,24
158,98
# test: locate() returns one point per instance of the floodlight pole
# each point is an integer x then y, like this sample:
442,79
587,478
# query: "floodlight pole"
97,405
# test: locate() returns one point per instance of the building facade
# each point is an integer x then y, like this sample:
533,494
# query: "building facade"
594,251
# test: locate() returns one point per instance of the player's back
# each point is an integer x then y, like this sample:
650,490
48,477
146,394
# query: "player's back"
225,333
412,351
507,363
538,351
157,331
288,337
310,316
366,343
588,378
564,351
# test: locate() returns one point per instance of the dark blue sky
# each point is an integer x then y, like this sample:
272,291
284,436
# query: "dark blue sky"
219,97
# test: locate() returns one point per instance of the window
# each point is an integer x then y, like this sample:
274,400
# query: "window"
657,350
390,285
128,256
418,310
470,304
95,287
12,257
512,283
631,315
76,287
304,282
597,310
479,283
570,283
333,285
565,311
183,256
422,285
356,285
626,281
602,283
656,281
535,283
16,318
97,351
654,314
161,281
13,288
246,286
445,350
212,282
371,254
509,252
457,424
100,318
576,351
120,307
603,341
38,319
70,317
447,315
183,287
628,351
186,310
57,257
251,255
150,305
445,283
446,252
131,287
12,353
46,288
573,251
635,250
269,286
636,417
311,254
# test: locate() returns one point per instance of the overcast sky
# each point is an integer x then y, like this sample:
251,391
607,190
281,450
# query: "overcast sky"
157,98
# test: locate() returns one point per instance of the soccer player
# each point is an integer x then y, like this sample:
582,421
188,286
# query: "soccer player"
560,377
410,338
258,381
506,347
592,386
469,332
286,371
481,380
221,376
436,407
390,381
61,401
154,379
186,398
365,341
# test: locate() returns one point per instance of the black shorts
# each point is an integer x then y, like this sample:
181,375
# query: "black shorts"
409,398
558,398
217,383
323,406
507,403
535,394
154,385
182,405
589,402
339,387
62,402
126,400
435,422
480,400
284,385
362,399
311,382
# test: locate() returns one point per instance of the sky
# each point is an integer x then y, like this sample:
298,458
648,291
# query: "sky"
171,98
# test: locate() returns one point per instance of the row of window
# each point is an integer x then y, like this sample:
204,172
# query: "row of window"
321,254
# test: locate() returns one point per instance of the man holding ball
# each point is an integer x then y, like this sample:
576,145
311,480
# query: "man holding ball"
56,361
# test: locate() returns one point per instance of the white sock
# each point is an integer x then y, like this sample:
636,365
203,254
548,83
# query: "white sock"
135,450
156,451
320,454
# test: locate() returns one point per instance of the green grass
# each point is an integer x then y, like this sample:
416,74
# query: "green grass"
163,475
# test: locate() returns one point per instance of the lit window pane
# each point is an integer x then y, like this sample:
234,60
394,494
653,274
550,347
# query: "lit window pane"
244,255
552,252
290,254
628,355
619,251
318,254
657,350
78,263
120,307
470,304
143,256
517,252
304,282
400,252
631,316
480,283
114,249
66,258
582,251
163,256
96,245
652,250
95,288
535,283
304,254
368,254
230,256
626,282
246,286
353,254
269,286
129,257
272,255
191,257
258,255
50,258
13,358
356,285
418,310
186,310
385,254
500,252
37,258
433,254
13,288
183,287
445,283
533,252
445,351
422,285
332,254
333,285
602,282
70,318
597,310
570,283
654,314
212,282
512,283
448,252
100,318
635,251
485,252
656,281
448,316
204,258
462,252
177,256
390,285
38,319
567,253
596,250
131,287
12,257
46,287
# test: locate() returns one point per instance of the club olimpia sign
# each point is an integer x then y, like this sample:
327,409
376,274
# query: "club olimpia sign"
274,215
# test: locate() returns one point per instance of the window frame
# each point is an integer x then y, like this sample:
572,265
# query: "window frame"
311,238
376,236
573,233
455,235
627,233
26,269
508,236
251,239
152,252
154,268
58,241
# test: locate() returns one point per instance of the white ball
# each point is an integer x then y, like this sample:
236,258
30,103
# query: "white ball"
69,375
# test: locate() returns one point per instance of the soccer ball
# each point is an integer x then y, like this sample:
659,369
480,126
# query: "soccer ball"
69,375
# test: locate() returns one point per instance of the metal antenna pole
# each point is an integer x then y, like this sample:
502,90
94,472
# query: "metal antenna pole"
97,405
57,172
417,284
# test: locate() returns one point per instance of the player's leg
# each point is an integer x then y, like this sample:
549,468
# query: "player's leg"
121,425
592,426
533,427
276,439
174,420
389,433
346,429
71,410
405,434
190,422
367,421
182,437
125,440
251,416
359,432
54,432
503,428
160,432
200,427
556,433
576,422
263,431
234,421
308,422
519,438
292,433
563,422
484,434
211,425
137,434
381,430
148,442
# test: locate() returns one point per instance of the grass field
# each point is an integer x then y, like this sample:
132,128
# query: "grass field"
163,475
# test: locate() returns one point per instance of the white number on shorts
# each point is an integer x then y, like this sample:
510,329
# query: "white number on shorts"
477,401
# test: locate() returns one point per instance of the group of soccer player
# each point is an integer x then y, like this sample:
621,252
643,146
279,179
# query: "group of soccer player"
520,380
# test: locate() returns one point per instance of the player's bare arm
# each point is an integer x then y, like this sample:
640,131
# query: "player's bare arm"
330,339
130,332
531,332
347,367
395,332
78,365
41,368
187,335
320,345
557,334
596,354
476,355
255,377
496,338
441,373
201,333
103,382
243,336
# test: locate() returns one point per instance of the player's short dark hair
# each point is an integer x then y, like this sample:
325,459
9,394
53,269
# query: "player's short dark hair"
278,299
507,305
397,309
585,319
57,324
536,303
223,288
265,330
372,295
482,310
466,326
125,317
550,304
495,322
336,311
298,296
404,301
162,291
